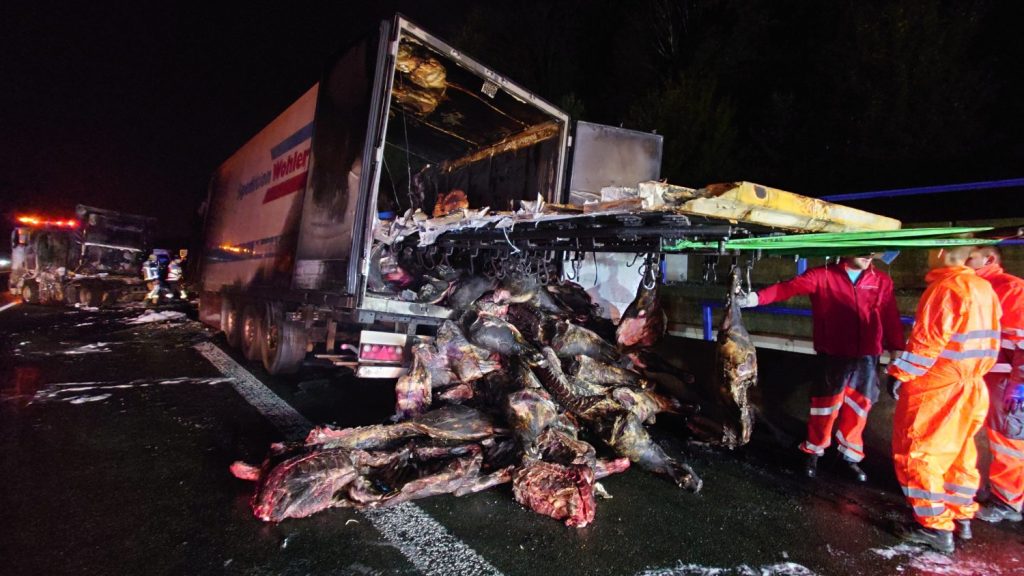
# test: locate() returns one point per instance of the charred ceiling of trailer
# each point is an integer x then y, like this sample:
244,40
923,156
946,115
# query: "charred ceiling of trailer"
449,129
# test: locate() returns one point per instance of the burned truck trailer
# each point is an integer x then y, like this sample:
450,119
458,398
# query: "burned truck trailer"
398,120
304,245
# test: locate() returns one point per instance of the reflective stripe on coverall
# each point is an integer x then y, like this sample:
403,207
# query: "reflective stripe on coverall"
1006,431
943,399
847,389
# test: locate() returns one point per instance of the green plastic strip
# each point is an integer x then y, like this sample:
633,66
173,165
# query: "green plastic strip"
834,247
866,235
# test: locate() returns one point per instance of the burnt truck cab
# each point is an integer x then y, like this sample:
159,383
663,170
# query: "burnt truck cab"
398,120
94,259
41,254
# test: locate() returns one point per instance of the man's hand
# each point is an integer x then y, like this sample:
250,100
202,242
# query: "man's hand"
745,300
892,386
1013,398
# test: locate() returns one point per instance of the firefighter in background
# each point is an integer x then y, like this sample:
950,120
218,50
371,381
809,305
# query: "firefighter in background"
175,282
156,271
941,398
1005,423
151,274
855,318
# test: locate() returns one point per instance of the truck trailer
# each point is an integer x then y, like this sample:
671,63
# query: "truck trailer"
405,132
397,118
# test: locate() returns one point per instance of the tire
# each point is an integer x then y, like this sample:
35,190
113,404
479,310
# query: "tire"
252,333
230,322
90,296
284,342
71,295
30,292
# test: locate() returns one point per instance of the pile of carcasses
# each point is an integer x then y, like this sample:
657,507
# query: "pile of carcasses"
519,388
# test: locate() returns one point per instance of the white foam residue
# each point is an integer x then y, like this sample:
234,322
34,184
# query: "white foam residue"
780,569
935,563
920,558
89,348
68,391
154,316
84,399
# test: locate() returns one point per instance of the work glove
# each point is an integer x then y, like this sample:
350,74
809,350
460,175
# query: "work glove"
892,386
1013,398
744,300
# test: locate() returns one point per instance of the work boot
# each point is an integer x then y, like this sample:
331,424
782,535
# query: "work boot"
941,540
997,511
962,530
811,466
858,474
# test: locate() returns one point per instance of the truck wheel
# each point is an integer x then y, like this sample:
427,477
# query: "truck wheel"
284,342
229,322
71,295
252,333
90,296
30,292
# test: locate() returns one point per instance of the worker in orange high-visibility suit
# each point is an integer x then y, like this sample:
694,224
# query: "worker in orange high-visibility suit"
1005,424
942,398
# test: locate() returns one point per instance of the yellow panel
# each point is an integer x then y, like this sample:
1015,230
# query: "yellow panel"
754,203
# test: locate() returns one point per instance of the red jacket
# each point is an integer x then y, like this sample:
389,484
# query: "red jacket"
850,319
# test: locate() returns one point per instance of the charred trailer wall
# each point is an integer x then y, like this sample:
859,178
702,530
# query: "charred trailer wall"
331,210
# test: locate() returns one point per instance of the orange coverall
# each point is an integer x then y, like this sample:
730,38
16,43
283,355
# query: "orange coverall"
1006,431
943,398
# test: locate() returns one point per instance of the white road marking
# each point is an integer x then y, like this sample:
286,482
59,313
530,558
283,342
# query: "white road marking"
10,305
430,547
293,425
781,569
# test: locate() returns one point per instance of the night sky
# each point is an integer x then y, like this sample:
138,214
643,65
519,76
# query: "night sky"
132,105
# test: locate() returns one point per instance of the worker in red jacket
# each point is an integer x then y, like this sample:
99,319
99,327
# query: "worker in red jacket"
941,398
1005,423
855,318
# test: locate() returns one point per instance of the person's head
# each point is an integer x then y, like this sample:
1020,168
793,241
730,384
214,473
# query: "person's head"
950,256
983,256
858,262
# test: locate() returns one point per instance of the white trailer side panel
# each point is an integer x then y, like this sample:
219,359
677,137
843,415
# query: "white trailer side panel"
256,204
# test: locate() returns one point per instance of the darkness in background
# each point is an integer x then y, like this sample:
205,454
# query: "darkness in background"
132,106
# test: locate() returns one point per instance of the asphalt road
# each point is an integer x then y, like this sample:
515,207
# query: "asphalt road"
115,442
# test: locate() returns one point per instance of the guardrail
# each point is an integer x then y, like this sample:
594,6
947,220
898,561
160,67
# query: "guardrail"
708,327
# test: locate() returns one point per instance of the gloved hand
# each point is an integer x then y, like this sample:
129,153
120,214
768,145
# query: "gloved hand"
1013,398
744,300
892,386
